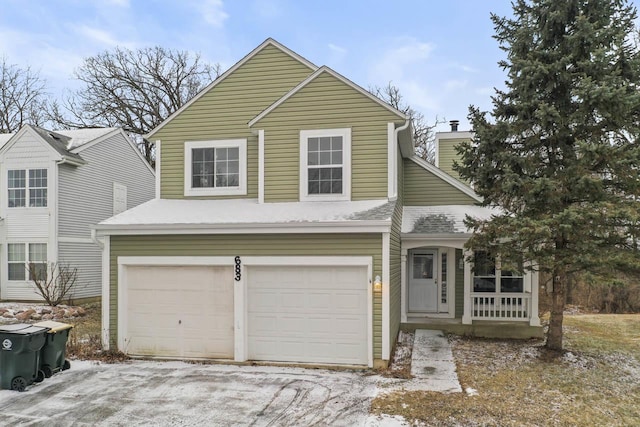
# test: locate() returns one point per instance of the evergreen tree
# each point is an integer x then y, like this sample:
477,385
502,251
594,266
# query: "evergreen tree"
560,152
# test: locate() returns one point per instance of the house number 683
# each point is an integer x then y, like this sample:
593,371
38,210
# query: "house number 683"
238,269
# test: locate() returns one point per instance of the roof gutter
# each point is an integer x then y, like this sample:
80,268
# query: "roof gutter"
70,161
374,226
405,149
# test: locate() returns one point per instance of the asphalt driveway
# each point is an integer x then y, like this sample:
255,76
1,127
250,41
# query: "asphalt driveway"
180,394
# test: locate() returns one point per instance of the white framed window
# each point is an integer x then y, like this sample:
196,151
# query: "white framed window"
20,255
489,277
22,190
325,164
215,168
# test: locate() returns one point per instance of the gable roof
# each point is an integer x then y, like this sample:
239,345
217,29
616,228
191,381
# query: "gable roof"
445,177
221,78
315,75
66,143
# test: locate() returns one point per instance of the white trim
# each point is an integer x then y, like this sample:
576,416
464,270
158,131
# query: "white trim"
345,133
240,190
53,206
392,162
221,78
312,77
81,240
106,290
466,311
261,166
403,285
18,135
373,226
386,301
158,169
240,317
534,319
446,177
418,241
451,281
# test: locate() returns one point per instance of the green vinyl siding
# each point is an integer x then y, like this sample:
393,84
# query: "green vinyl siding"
422,188
249,245
447,155
395,247
223,113
326,103
459,285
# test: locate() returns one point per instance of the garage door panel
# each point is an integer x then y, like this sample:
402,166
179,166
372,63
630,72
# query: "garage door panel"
315,314
180,311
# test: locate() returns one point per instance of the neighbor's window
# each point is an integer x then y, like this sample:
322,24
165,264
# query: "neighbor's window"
20,187
215,167
17,258
488,277
37,188
17,185
37,260
325,164
21,255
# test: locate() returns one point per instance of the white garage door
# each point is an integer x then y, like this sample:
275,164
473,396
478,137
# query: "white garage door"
312,314
184,312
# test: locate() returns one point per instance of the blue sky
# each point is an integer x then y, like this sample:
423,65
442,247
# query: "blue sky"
440,54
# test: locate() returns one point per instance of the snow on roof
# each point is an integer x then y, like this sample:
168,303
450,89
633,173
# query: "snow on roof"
248,211
82,136
446,219
4,138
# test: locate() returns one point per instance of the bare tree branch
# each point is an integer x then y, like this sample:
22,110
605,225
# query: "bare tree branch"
423,133
22,97
135,89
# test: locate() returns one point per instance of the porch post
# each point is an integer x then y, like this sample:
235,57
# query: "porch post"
534,319
466,313
403,286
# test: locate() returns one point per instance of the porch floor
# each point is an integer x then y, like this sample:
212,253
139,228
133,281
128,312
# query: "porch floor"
479,328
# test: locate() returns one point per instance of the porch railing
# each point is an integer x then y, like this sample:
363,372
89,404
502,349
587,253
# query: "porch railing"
492,306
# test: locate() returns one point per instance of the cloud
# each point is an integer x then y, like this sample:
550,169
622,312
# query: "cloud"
100,36
120,3
451,85
337,49
485,90
213,12
267,9
406,54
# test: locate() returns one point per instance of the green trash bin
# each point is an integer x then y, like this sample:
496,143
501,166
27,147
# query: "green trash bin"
52,355
20,346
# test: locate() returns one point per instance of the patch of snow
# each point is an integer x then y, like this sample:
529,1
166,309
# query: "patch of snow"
4,138
385,420
471,391
82,136
455,213
238,211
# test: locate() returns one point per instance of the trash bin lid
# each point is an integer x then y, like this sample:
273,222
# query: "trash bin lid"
22,329
54,327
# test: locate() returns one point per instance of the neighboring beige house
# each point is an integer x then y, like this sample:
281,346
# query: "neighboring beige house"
293,223
54,186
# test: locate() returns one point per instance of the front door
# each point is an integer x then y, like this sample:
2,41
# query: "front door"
423,285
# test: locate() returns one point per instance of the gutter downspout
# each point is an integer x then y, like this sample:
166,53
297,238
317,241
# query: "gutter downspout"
94,237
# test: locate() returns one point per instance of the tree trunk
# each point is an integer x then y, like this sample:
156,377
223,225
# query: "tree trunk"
554,335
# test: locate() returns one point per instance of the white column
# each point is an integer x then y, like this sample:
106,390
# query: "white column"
106,290
534,320
386,329
466,313
239,314
261,166
403,286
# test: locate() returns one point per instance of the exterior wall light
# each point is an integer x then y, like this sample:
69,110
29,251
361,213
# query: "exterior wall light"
377,284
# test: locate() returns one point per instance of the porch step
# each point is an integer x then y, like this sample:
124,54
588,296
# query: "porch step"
432,364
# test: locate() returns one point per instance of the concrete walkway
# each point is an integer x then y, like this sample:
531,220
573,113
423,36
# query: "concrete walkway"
432,364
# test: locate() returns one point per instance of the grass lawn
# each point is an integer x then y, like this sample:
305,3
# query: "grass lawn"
594,382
